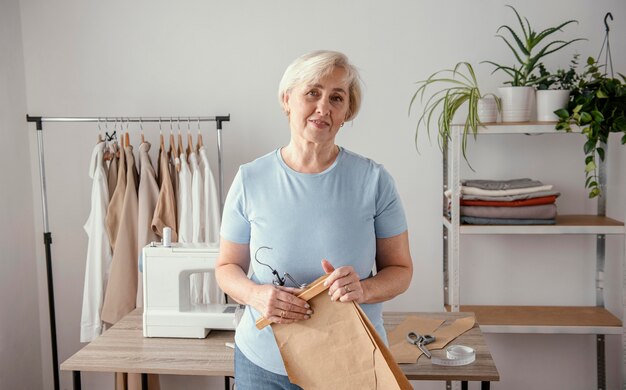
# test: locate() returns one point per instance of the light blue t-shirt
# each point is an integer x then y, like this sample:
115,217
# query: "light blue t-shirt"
336,215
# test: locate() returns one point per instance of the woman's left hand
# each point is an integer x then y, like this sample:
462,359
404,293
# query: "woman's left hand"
344,283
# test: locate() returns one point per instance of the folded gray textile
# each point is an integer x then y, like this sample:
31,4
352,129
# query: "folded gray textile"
543,211
501,184
502,221
508,198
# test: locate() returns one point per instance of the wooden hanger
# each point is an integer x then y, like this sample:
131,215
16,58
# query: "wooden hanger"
189,139
180,143
141,127
309,292
161,138
126,139
189,143
172,143
199,136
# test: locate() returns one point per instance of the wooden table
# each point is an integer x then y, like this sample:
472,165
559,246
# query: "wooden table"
124,349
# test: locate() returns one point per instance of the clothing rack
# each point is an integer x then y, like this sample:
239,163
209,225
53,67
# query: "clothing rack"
47,235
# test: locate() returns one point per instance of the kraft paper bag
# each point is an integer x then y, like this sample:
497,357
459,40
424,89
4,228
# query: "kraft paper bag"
337,348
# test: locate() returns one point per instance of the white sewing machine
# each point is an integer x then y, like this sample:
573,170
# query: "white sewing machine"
168,310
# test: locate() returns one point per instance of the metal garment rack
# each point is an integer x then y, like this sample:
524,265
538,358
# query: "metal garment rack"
47,235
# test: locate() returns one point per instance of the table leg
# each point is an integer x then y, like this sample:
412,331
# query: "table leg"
76,380
464,385
485,385
227,382
144,381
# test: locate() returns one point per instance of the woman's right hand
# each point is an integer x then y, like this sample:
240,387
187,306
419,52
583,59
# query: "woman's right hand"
279,304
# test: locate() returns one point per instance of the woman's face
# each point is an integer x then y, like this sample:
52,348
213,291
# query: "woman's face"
317,110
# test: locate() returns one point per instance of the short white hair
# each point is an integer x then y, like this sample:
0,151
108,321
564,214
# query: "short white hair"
313,66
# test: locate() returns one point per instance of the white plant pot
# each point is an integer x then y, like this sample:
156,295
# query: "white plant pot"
487,110
549,101
516,103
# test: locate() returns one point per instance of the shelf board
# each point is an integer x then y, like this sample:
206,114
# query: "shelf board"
519,128
565,224
544,319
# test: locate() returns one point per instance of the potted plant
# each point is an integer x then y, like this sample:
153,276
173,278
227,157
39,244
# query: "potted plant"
457,86
553,91
598,106
528,47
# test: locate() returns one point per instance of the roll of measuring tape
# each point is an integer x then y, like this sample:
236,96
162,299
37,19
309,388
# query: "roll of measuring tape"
457,355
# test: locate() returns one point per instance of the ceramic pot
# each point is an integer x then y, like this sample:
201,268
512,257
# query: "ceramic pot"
516,103
549,101
487,110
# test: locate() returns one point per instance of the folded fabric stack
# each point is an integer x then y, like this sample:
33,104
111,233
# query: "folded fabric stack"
508,202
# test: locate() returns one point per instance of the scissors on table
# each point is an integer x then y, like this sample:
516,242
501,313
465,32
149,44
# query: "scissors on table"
420,341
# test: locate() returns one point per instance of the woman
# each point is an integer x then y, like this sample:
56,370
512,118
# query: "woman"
308,201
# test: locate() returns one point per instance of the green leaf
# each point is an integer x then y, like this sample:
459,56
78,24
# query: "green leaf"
589,146
600,152
590,167
601,94
562,113
585,118
594,193
597,116
592,184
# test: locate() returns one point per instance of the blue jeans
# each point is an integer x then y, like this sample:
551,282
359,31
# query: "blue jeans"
249,376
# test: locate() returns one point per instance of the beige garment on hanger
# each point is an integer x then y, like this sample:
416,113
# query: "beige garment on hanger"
114,210
121,292
124,381
147,200
112,176
165,209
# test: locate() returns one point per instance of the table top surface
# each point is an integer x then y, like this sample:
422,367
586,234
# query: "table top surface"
123,348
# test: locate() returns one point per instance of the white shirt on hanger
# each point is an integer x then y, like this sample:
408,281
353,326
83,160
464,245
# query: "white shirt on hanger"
197,195
211,292
98,259
185,220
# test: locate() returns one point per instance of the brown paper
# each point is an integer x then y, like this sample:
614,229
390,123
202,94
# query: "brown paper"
337,348
404,352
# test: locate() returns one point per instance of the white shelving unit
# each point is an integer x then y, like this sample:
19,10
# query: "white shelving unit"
595,320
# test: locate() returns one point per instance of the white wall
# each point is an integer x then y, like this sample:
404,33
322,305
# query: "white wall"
159,58
20,351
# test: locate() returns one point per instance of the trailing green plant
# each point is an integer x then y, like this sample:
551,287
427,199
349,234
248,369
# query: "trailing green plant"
527,48
457,86
598,106
561,79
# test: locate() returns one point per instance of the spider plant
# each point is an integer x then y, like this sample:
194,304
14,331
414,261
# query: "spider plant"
527,51
457,86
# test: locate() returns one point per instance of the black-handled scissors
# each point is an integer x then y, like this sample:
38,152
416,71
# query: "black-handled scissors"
420,341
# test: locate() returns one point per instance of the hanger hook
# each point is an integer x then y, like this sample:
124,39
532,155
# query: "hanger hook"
278,281
188,125
178,124
606,24
141,124
171,128
198,124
